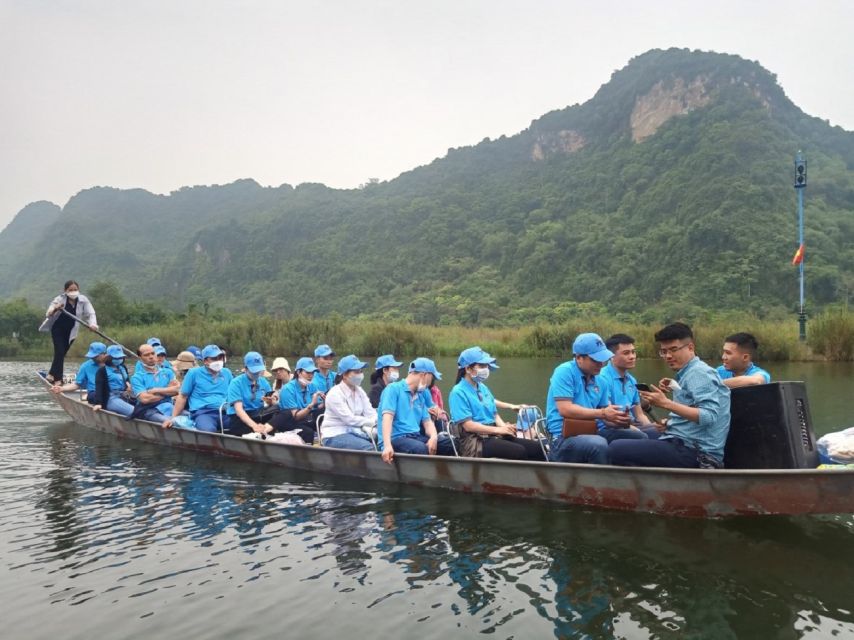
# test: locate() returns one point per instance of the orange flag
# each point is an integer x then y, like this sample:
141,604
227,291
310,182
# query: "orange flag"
799,256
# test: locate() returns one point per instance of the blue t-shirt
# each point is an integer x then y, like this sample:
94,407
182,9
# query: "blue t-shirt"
409,410
569,383
203,390
470,403
240,390
621,391
295,396
86,375
321,382
726,374
145,380
117,377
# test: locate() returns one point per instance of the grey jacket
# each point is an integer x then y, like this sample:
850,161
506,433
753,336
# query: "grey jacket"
85,311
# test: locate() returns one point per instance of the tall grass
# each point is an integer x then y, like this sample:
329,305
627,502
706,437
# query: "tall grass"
832,335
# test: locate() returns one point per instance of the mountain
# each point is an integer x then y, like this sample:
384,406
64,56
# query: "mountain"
669,192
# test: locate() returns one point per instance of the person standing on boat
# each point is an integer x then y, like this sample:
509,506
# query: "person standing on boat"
248,394
738,368
623,390
85,379
63,328
577,392
112,383
324,377
404,412
205,390
299,403
484,434
696,430
386,371
154,387
348,409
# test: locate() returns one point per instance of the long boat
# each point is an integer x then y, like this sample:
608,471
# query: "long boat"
713,493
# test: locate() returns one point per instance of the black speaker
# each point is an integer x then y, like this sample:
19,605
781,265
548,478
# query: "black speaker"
771,428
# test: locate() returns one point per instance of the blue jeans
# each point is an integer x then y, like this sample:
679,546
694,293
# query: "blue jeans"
417,443
350,440
153,415
653,453
586,448
206,420
117,405
610,434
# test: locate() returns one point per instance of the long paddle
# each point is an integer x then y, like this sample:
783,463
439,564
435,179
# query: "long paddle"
132,354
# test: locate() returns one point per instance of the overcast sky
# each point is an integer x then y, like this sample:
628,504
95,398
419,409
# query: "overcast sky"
162,94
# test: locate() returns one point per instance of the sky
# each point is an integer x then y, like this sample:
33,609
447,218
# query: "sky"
159,94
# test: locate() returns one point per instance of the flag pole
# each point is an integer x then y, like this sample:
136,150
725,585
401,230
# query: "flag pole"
800,184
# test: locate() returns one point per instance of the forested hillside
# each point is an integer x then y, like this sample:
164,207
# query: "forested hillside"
668,192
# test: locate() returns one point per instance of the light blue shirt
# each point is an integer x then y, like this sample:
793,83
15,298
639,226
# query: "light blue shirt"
470,403
203,390
321,382
144,380
622,391
295,396
701,387
726,374
240,390
86,375
409,410
569,383
117,377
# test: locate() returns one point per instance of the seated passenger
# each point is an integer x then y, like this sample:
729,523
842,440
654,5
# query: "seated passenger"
697,428
160,352
248,394
205,390
299,404
182,363
281,375
197,353
112,383
484,434
577,392
348,409
153,386
85,379
623,390
386,371
404,411
324,377
738,368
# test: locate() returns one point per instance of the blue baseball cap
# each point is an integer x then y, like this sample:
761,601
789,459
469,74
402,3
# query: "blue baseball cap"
96,349
154,342
254,362
211,351
306,364
350,363
160,350
592,345
386,361
115,352
425,365
323,351
475,355
195,351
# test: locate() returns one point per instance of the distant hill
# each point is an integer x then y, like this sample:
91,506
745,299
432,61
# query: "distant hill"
668,192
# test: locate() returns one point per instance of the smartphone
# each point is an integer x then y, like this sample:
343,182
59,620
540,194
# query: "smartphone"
642,386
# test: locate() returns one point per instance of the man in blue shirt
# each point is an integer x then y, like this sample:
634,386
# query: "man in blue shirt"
696,430
324,377
153,386
576,392
404,411
623,390
205,389
85,379
738,368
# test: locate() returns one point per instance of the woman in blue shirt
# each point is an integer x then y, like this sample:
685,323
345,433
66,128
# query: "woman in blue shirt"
112,383
248,394
299,403
473,407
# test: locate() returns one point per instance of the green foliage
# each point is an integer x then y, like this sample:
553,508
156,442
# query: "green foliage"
832,334
19,323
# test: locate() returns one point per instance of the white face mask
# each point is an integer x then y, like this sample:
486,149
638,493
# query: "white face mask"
356,379
480,375
216,365
393,375
304,381
421,386
72,294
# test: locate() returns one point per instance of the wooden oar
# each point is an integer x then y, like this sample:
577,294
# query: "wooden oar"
132,354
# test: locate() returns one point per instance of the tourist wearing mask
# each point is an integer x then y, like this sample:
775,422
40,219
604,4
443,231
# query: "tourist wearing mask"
248,394
85,379
386,371
204,390
299,403
348,409
112,383
64,328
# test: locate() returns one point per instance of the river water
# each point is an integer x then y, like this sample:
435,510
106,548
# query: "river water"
116,539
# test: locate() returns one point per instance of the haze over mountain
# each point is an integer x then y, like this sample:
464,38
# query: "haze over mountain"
668,191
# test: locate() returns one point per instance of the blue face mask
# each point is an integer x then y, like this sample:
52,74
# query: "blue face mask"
481,375
118,361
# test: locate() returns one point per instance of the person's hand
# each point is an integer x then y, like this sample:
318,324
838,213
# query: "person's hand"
661,425
435,412
274,399
96,407
93,327
506,430
615,414
664,385
654,397
432,444
167,424
388,453
316,397
56,389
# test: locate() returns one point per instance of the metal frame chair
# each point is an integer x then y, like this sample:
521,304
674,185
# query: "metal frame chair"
452,429
317,422
539,428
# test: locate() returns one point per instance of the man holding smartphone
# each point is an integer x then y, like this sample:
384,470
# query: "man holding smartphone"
623,389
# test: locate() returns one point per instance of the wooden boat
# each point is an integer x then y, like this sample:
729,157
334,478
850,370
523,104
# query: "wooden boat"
677,492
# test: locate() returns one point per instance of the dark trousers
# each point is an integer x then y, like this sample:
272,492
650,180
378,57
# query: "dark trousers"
284,421
667,452
61,345
512,449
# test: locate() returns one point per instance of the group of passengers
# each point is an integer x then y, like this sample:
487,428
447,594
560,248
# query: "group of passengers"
594,407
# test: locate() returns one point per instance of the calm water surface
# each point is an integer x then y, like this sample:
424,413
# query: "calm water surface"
116,539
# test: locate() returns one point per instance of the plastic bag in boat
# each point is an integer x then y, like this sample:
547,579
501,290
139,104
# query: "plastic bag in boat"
837,447
288,437
183,422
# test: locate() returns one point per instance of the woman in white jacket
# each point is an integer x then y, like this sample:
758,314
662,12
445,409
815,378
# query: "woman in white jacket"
348,409
63,329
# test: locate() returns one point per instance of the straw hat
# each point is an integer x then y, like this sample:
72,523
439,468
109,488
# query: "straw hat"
184,361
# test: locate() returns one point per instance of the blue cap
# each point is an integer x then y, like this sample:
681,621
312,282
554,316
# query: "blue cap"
160,350
350,363
254,362
115,351
154,342
323,351
425,365
211,351
475,355
591,344
195,351
96,349
306,364
387,361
